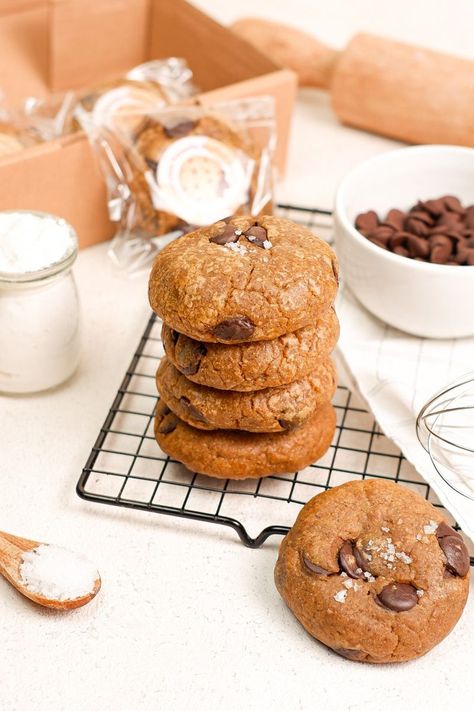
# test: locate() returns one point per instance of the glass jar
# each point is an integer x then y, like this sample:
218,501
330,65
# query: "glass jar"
40,324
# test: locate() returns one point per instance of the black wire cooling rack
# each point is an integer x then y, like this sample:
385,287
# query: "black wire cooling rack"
127,468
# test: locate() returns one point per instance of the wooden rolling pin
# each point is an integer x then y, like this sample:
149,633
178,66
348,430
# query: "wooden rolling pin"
387,87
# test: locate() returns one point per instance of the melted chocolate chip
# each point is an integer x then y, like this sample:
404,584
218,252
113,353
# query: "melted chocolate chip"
397,597
227,235
194,356
454,548
179,129
191,409
238,328
174,335
354,654
168,423
257,235
348,560
313,568
359,558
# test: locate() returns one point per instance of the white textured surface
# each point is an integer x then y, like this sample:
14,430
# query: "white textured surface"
187,617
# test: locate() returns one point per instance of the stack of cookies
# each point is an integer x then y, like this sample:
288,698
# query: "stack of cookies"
246,383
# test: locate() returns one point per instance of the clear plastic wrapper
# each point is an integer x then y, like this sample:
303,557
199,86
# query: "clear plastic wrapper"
175,168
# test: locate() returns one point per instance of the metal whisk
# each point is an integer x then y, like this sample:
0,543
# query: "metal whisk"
445,428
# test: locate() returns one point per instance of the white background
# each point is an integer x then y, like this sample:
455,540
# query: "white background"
188,617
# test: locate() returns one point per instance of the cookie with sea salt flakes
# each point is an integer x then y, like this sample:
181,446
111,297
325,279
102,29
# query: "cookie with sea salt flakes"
267,410
246,280
228,454
253,366
372,570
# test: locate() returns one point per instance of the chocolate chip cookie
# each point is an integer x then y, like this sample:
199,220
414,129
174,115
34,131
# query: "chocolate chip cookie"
228,454
257,365
372,570
269,410
217,176
246,280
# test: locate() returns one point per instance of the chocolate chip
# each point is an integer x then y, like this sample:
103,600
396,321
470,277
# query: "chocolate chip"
192,358
418,247
227,235
168,423
398,597
453,204
191,409
179,129
288,425
359,558
454,548
313,568
151,164
395,219
416,227
353,654
382,233
366,222
238,328
348,560
174,335
411,233
257,235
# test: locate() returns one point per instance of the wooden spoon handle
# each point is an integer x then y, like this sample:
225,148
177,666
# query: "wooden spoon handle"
312,61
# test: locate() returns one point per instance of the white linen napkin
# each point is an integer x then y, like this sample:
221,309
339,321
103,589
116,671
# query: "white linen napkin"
397,374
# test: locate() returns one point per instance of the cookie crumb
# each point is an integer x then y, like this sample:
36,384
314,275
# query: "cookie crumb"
340,596
431,528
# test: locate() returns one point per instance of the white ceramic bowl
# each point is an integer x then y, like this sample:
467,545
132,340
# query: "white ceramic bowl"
424,299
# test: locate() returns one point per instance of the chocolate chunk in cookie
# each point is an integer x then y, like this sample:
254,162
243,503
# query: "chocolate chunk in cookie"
454,548
398,597
237,328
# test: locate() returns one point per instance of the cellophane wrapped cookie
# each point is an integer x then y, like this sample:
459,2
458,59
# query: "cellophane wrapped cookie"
177,167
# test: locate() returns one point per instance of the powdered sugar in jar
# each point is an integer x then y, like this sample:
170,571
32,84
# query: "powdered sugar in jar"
39,307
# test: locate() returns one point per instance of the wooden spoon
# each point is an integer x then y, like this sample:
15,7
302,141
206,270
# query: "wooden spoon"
12,549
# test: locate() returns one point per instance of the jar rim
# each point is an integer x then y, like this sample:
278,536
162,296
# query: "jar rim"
52,269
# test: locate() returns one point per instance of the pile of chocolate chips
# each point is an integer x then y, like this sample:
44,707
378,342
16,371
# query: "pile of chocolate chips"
439,231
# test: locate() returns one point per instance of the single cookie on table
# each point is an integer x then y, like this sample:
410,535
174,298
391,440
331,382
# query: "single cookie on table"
246,280
229,454
269,410
372,570
253,366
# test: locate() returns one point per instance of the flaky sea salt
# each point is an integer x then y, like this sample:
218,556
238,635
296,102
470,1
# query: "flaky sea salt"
431,528
236,247
340,596
420,593
57,573
404,557
385,529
